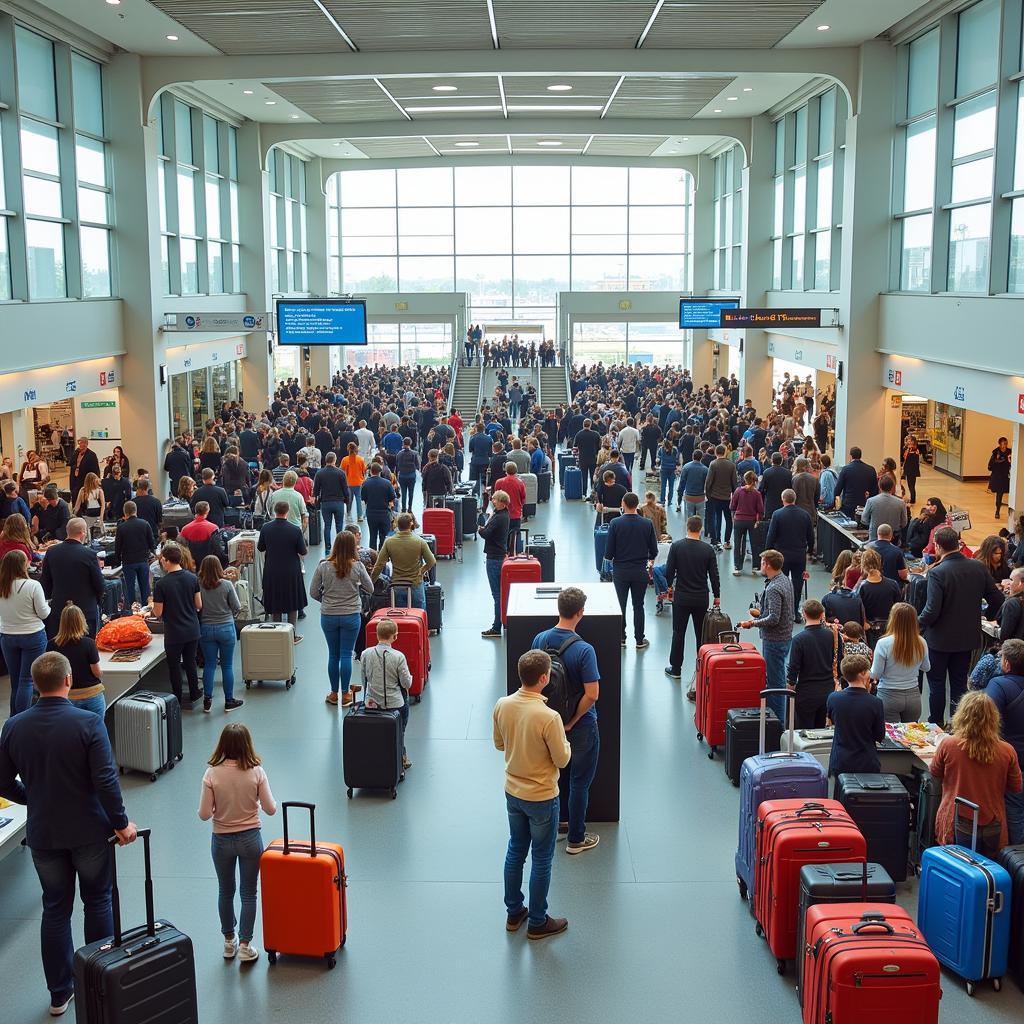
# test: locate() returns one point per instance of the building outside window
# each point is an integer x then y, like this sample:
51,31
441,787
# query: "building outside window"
728,215
289,243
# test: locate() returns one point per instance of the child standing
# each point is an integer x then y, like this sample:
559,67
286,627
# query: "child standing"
853,639
859,720
235,787
387,678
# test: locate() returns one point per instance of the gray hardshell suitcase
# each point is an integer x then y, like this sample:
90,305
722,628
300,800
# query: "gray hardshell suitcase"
530,505
816,742
147,732
268,652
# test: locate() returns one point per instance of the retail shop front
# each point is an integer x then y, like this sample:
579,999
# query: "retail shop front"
202,379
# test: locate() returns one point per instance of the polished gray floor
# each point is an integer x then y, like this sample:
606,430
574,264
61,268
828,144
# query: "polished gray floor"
656,930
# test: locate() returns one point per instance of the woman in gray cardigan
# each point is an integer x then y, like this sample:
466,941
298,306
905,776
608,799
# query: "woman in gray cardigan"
217,636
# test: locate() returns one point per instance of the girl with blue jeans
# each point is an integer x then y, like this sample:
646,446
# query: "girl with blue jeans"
669,465
73,641
338,584
235,787
218,636
23,613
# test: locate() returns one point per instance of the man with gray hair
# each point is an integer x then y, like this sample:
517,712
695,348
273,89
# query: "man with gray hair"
50,515
1007,693
71,572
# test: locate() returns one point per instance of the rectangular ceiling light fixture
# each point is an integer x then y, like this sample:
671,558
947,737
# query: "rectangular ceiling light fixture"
546,108
481,109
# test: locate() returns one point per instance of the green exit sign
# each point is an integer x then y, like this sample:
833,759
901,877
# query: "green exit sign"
99,405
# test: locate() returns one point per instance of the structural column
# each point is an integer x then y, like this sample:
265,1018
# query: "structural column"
316,233
701,354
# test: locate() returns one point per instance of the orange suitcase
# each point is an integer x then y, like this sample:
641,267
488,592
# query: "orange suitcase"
305,912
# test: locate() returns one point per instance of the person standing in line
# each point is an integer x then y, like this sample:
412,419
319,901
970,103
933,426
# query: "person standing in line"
629,442
235,787
718,487
284,592
858,719
857,482
56,760
494,534
177,600
516,491
536,749
411,560
218,636
587,444
90,502
584,684
407,467
23,614
747,508
83,462
387,678
380,497
773,615
1007,692
899,658
71,572
774,480
650,436
813,667
669,470
73,641
999,472
331,496
791,532
807,488
134,543
885,508
354,467
632,548
690,489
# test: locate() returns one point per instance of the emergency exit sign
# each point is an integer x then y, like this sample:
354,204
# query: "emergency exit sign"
99,405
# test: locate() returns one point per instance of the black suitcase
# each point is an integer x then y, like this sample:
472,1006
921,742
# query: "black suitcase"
565,460
316,527
837,883
1012,858
741,738
432,544
929,796
917,591
543,549
543,487
880,805
469,510
113,597
371,742
435,607
146,974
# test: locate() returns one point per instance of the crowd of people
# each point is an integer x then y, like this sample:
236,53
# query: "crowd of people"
510,351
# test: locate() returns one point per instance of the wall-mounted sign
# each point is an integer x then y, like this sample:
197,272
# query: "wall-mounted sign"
1020,405
894,377
220,322
704,314
99,405
625,305
401,307
771,318
959,393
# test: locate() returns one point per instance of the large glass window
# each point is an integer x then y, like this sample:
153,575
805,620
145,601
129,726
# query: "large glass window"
288,242
728,214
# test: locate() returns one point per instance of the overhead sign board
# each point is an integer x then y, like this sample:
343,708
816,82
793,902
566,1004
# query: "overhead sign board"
321,322
772,318
221,322
704,314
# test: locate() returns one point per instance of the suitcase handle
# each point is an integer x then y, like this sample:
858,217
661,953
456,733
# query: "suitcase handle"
790,695
974,815
312,831
115,896
731,647
817,808
408,594
733,636
873,919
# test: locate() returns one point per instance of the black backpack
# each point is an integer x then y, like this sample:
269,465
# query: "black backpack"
562,695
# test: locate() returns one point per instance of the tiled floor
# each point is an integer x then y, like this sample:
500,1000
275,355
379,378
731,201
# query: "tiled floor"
657,931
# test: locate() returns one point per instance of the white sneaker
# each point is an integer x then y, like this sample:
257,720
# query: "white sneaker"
230,949
247,953
736,572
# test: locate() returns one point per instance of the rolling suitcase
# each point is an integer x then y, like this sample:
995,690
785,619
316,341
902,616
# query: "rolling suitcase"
431,541
774,776
469,510
145,974
302,890
565,461
147,732
815,742
530,504
435,607
113,597
832,884
868,961
316,527
543,549
716,622
413,640
790,834
1011,859
441,523
600,546
880,804
372,747
742,728
963,909
268,652
573,488
729,675
517,569
245,614
917,591
543,487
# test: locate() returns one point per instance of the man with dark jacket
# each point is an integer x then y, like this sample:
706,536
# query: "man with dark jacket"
494,534
177,464
50,515
147,506
71,572
587,444
116,491
249,444
134,542
479,456
718,486
1007,692
56,760
331,495
857,482
632,546
791,532
215,497
775,479
83,462
691,568
650,438
814,660
950,622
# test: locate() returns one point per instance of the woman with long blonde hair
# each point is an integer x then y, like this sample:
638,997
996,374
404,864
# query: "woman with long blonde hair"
91,503
974,763
900,657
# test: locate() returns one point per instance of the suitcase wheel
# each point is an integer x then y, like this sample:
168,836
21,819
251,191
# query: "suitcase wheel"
997,984
271,956
152,777
170,764
743,888
178,758
711,753
970,988
700,737
394,794
416,699
758,930
331,961
780,966
248,684
289,683
350,792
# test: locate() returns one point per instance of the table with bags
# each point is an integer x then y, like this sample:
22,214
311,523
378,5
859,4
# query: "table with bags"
834,534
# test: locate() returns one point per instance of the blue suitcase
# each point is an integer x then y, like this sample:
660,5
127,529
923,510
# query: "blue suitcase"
565,460
963,910
776,776
573,484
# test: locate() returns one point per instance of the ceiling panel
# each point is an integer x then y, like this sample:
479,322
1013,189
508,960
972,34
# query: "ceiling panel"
601,24
625,145
387,148
529,143
238,27
663,96
414,24
356,100
727,24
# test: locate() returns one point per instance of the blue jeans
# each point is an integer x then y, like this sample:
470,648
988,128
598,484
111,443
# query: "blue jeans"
407,488
20,650
585,741
219,639
340,632
721,520
692,508
401,592
356,496
532,828
245,848
957,664
97,705
660,579
1015,817
333,513
494,579
380,525
57,871
668,484
743,529
135,574
776,654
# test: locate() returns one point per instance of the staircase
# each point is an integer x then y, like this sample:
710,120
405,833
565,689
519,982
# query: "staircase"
553,389
465,395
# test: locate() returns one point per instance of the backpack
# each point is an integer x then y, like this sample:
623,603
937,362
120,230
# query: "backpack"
561,694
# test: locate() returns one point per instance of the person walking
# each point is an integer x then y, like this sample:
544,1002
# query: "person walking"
337,585
177,600
813,670
536,749
56,760
747,508
73,641
911,468
134,544
218,636
331,495
23,614
629,443
790,531
284,592
587,444
235,787
411,560
900,656
494,534
999,472
583,682
632,548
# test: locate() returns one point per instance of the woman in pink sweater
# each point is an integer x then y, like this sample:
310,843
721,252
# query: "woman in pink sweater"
235,787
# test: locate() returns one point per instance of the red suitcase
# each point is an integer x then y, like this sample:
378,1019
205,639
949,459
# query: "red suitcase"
413,641
517,569
728,676
790,834
441,523
302,885
868,961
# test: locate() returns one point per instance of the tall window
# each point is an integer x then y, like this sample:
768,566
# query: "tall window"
513,237
778,203
91,163
289,244
5,214
728,213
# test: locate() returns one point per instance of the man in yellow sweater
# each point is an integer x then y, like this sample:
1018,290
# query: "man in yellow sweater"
533,738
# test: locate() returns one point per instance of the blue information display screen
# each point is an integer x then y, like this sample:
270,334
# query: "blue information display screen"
321,322
703,314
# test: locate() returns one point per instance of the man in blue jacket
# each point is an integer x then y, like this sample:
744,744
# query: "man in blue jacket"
1007,692
632,546
68,781
857,482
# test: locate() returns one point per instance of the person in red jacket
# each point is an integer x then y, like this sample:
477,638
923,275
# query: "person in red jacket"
516,491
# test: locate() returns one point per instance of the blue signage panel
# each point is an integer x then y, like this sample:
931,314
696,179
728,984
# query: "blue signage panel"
703,314
321,322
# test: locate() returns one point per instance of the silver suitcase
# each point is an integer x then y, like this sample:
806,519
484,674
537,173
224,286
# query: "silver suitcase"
247,612
816,742
530,483
147,732
268,652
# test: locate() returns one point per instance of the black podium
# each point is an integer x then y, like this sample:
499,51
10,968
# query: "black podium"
533,607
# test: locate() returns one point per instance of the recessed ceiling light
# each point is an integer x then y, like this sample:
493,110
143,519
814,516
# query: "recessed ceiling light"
113,3
560,88
271,103
337,143
548,142
718,110
732,99
295,117
445,88
748,88
247,92
474,108
172,39
686,138
824,28
466,145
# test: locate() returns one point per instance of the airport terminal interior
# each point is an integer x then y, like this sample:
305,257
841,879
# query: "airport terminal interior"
234,223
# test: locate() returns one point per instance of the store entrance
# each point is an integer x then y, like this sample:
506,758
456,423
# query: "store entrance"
53,431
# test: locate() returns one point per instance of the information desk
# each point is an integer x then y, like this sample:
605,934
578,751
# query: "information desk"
836,533
529,613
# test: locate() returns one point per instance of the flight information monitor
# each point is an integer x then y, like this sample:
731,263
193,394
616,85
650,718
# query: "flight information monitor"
703,314
321,322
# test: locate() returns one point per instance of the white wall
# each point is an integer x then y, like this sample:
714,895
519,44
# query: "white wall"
980,435
37,334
